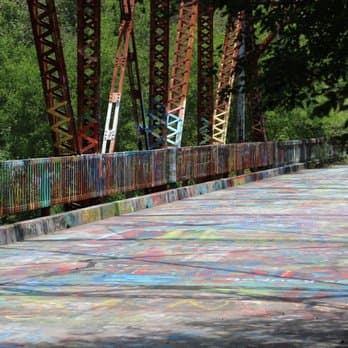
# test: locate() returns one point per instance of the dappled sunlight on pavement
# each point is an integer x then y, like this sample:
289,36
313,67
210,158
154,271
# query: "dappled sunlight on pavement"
265,264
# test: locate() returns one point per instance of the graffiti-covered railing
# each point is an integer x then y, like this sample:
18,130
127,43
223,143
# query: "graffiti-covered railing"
40,183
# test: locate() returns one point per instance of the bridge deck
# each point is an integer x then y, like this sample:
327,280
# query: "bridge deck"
260,264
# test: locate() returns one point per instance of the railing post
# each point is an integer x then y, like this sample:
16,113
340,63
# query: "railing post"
172,164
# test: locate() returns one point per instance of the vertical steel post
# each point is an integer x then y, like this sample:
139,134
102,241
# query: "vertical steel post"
205,81
88,77
53,75
178,87
136,94
159,70
241,98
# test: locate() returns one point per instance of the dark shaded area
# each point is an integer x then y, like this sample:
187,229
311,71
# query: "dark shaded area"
322,331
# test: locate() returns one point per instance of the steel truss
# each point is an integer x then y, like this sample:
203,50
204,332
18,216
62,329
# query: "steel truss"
178,87
159,70
120,63
205,81
125,57
88,53
227,74
53,75
167,98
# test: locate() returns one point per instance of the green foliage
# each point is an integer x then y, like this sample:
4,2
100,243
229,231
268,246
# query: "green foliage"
23,127
303,73
335,124
309,57
283,124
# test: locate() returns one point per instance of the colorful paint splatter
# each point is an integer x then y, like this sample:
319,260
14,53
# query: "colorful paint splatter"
264,264
40,183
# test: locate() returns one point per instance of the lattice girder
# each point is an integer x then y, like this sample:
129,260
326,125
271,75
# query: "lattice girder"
53,75
227,74
88,77
159,70
178,87
205,81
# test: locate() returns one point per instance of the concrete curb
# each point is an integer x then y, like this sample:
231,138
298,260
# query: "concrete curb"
27,229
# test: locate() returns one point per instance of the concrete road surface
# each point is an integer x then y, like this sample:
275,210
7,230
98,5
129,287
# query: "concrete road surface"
260,265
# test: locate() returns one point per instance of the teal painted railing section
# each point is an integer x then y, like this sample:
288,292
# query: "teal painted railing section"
40,183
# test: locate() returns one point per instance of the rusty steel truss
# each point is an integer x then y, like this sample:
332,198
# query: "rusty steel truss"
167,97
88,62
178,87
227,74
125,57
120,64
159,70
53,75
205,79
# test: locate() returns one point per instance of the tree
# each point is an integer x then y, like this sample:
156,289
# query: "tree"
297,59
309,58
297,53
23,130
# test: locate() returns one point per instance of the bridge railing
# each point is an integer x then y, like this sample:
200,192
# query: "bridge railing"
40,183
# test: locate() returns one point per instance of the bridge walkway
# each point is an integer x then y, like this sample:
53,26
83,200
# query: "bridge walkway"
264,264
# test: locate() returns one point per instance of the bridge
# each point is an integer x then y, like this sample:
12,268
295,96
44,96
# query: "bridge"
220,244
257,259
260,264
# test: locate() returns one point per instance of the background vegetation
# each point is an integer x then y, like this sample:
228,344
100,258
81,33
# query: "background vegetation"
303,71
